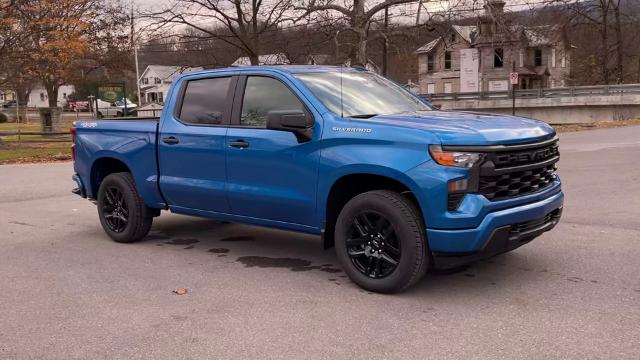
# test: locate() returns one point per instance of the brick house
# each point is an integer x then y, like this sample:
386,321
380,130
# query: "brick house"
480,58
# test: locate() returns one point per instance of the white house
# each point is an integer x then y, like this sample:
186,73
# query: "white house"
156,81
267,59
38,96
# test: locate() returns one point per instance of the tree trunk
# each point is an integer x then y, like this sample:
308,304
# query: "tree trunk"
619,50
52,93
22,92
358,54
604,35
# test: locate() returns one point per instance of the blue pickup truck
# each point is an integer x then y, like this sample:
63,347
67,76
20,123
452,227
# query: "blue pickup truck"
394,185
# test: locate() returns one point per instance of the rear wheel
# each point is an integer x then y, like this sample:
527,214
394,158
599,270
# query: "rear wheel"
380,241
123,214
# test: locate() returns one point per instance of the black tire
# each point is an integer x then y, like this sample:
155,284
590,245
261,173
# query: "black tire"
402,216
119,188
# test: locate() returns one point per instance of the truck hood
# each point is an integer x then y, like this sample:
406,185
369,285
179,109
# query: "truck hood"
470,128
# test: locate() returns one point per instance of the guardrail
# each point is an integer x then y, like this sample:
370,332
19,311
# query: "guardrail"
598,90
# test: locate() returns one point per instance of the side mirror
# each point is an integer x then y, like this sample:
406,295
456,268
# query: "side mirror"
295,121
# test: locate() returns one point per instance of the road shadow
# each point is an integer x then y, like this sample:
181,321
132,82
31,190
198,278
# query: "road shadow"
257,247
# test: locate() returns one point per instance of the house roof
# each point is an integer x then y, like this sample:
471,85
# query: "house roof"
326,59
467,33
267,59
533,35
168,72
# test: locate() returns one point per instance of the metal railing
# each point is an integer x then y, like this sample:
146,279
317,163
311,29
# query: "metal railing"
44,136
597,90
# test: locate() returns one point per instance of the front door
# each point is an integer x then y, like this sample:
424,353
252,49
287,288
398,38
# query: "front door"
191,147
270,175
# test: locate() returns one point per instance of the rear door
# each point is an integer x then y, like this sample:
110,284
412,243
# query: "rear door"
270,174
191,144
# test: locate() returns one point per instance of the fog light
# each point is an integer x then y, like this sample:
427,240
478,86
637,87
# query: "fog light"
457,191
461,185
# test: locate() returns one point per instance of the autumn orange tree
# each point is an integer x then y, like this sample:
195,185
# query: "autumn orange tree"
61,37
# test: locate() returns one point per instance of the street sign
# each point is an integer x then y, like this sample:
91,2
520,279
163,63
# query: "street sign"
514,78
111,92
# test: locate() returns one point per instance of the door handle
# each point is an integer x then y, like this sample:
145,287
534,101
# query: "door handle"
171,140
241,144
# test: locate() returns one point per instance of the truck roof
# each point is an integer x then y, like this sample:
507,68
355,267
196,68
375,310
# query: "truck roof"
291,69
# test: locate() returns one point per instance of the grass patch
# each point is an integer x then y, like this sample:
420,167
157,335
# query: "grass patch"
13,152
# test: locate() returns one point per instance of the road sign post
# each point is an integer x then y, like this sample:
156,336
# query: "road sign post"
514,81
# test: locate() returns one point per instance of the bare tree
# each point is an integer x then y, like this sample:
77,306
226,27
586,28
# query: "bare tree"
359,18
238,23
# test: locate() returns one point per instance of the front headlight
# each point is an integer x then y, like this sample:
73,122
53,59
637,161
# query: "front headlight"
454,158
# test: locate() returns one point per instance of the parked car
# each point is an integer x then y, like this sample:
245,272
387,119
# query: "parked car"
115,109
394,185
8,104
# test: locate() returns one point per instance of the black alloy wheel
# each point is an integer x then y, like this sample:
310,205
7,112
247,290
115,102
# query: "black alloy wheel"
115,210
381,242
123,214
373,246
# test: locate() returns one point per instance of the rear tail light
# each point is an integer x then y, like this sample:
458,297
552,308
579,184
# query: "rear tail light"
73,143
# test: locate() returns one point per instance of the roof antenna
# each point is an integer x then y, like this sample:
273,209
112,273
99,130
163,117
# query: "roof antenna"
341,106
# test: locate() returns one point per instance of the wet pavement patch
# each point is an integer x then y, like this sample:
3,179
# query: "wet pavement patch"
238,238
182,241
218,250
286,263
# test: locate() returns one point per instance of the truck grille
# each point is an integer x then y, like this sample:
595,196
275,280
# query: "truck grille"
511,171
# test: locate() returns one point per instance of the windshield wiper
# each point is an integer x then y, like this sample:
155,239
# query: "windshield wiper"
362,116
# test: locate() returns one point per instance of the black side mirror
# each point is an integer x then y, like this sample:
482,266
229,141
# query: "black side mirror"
296,121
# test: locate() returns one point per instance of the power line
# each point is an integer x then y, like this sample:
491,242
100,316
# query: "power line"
334,20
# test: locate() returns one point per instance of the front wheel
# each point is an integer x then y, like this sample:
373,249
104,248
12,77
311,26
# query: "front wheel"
123,214
380,241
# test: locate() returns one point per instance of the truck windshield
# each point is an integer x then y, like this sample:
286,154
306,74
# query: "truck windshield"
364,94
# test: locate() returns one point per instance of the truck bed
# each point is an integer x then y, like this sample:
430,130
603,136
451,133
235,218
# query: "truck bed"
124,140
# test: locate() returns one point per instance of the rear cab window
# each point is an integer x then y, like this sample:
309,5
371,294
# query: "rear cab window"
206,101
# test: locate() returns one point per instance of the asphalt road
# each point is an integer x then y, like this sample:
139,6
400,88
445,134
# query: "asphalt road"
68,292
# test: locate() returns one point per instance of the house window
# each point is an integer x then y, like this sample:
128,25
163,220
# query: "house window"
521,58
157,81
563,60
553,57
448,88
453,37
537,57
430,62
145,81
447,60
431,88
160,98
498,58
42,96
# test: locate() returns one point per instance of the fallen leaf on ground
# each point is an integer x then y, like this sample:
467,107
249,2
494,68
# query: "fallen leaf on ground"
180,291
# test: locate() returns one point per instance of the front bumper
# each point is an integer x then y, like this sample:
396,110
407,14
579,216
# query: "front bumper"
499,231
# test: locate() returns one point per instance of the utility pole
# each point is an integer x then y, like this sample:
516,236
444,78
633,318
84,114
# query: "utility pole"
135,55
385,46
513,90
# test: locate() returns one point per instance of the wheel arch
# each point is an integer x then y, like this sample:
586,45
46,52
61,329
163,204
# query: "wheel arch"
102,167
348,185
